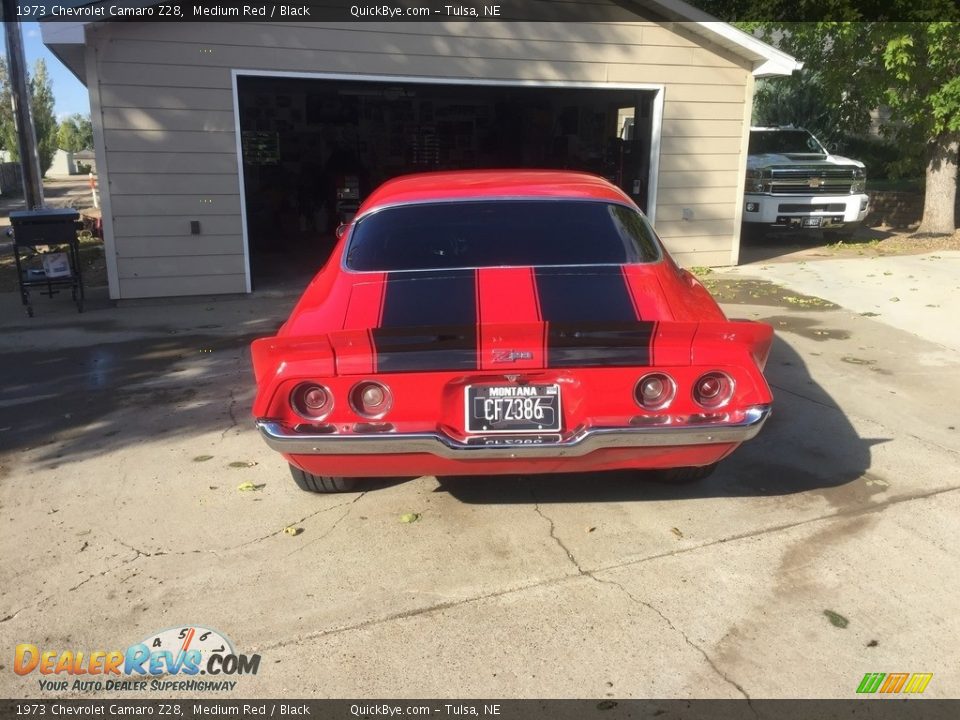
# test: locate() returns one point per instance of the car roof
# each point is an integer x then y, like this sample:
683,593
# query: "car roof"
489,184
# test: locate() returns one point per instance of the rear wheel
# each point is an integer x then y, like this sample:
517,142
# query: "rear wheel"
321,483
681,475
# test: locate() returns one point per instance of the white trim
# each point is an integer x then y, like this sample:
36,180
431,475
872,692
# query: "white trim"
103,178
656,119
771,61
653,179
742,171
452,80
243,192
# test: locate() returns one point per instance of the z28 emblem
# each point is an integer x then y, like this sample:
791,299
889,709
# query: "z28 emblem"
505,356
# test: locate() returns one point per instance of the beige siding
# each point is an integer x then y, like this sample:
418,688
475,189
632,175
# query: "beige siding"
169,148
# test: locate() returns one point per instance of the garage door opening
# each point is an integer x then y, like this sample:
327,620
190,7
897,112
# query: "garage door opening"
312,149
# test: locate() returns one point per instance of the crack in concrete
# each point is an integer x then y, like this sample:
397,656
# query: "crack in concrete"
333,527
556,539
426,610
875,507
233,418
415,612
301,520
592,576
726,678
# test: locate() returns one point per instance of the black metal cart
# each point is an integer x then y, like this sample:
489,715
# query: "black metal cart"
42,240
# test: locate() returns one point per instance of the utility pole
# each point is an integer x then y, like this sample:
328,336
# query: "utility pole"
26,138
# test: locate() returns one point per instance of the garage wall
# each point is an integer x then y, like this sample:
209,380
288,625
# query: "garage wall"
162,94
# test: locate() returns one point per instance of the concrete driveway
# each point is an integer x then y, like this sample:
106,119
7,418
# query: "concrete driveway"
823,550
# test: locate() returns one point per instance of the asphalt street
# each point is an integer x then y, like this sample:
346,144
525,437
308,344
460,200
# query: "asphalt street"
822,550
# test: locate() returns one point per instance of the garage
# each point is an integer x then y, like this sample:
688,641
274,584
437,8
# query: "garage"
222,147
313,148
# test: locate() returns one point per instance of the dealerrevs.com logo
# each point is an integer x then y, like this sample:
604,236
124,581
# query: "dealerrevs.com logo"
171,660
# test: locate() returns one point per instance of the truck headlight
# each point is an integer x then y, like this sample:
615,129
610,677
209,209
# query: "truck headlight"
859,183
754,181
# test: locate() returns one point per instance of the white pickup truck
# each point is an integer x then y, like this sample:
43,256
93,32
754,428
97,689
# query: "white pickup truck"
793,182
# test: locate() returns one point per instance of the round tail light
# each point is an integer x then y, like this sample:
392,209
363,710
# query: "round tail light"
311,401
371,399
655,391
713,390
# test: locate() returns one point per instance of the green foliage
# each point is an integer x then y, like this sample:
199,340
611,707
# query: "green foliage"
912,67
8,130
75,133
44,121
797,100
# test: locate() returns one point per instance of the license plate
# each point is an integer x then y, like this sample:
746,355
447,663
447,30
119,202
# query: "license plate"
811,222
512,408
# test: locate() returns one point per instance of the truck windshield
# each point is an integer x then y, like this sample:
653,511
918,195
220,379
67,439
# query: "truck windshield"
781,142
497,233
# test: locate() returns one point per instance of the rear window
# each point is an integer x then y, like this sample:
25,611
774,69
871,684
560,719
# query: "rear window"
437,236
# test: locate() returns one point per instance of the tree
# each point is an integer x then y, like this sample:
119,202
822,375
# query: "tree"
912,67
75,133
44,121
797,100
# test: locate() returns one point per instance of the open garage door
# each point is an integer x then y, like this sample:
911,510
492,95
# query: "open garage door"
312,149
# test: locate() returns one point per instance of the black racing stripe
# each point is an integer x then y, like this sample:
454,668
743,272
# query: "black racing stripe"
429,322
599,344
572,295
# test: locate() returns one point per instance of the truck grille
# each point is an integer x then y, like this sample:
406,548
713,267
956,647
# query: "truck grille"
811,180
816,207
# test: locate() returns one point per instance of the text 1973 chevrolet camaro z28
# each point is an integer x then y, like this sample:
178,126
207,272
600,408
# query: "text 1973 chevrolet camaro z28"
507,322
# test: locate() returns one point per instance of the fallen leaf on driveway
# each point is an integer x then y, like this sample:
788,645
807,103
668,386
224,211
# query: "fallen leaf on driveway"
241,464
249,487
676,531
894,299
409,517
292,530
203,458
836,619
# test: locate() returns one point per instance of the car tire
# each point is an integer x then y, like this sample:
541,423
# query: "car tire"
683,475
322,483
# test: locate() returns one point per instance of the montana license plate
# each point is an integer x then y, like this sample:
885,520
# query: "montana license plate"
513,408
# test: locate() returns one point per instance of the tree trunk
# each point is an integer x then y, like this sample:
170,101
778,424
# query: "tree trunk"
939,201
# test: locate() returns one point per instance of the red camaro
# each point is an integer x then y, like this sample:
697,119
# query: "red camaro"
508,322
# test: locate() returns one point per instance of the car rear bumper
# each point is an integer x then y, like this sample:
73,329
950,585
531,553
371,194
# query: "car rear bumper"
574,444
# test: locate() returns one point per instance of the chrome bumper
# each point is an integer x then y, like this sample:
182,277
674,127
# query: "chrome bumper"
576,444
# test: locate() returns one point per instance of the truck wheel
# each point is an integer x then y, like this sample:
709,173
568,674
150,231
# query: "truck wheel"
321,483
682,475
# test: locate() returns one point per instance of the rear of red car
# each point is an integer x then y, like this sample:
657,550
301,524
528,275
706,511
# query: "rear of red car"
506,332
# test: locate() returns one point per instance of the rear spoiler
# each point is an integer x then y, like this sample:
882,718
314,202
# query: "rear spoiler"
510,347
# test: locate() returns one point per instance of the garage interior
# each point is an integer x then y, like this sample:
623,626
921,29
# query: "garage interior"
312,149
